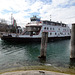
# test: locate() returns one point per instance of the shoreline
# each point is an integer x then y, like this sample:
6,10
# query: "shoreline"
68,71
34,72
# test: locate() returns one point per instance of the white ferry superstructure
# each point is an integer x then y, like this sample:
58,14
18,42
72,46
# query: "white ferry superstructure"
34,29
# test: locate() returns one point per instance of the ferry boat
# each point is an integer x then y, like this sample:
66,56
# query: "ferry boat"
34,29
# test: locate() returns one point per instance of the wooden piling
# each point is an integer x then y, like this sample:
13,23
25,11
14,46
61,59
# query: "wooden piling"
44,40
72,56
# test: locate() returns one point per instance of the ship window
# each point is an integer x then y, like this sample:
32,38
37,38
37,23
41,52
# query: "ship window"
50,28
44,22
64,29
45,28
55,24
59,29
33,19
55,33
53,28
51,23
63,25
61,33
50,33
38,28
27,33
34,28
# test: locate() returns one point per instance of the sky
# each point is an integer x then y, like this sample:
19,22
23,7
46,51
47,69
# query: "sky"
22,10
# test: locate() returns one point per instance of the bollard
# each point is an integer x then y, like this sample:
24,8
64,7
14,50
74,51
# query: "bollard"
72,56
44,40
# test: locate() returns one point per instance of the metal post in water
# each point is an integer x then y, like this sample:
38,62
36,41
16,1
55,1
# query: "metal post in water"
72,56
44,40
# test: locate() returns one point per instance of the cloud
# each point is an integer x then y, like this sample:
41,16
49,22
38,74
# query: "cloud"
64,13
16,7
22,10
36,6
13,5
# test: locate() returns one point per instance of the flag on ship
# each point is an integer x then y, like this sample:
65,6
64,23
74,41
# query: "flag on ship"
14,22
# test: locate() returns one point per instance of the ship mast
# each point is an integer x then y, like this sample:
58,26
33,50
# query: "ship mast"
50,17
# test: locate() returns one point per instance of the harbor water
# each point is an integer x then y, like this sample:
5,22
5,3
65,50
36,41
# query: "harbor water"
18,55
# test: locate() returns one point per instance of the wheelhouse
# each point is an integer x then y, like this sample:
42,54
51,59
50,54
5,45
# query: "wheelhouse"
32,30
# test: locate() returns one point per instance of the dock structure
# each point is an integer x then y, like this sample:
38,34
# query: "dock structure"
72,56
44,40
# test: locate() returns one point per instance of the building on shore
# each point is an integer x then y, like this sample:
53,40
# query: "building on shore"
5,28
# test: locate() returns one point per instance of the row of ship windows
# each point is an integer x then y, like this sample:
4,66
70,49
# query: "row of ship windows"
55,24
46,28
60,34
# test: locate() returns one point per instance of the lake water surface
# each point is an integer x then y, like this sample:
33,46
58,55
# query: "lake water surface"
18,55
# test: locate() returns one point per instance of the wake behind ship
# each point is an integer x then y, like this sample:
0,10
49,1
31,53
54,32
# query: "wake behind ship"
34,29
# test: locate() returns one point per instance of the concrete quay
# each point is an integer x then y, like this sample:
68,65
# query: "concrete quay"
33,72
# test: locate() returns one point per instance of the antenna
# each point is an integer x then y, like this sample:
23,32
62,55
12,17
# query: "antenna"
50,17
11,18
